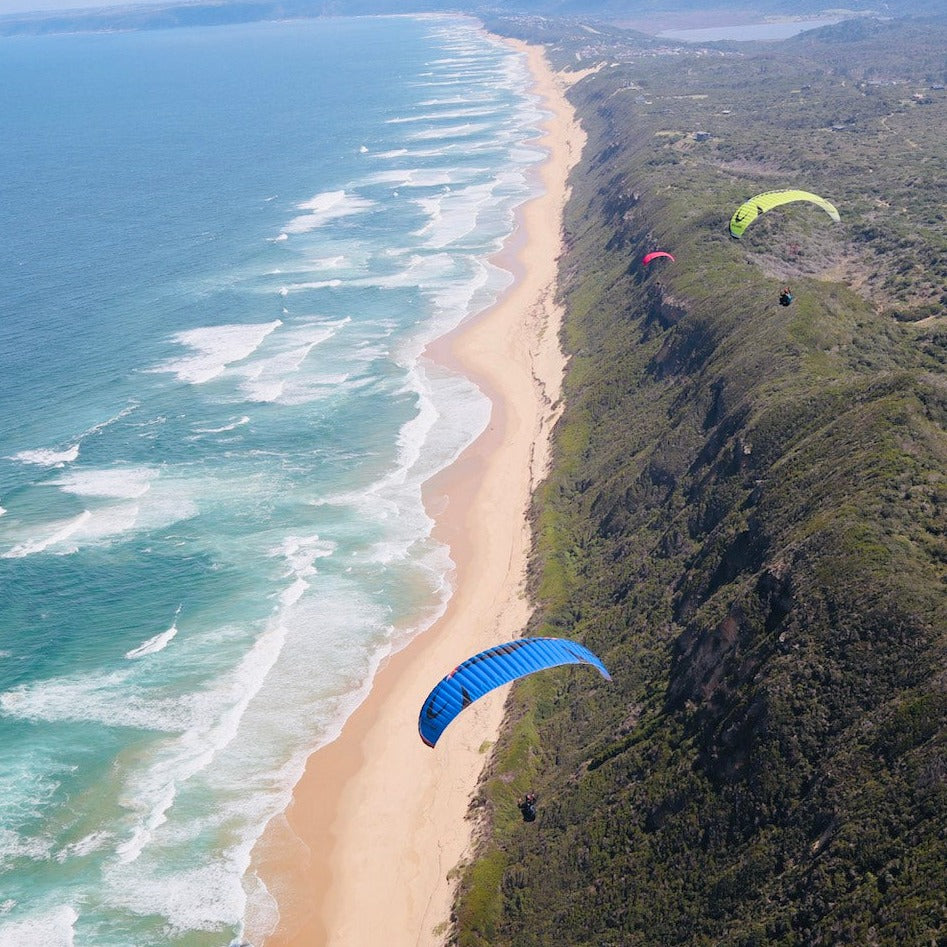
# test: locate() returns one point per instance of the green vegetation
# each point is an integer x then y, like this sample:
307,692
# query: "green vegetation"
746,517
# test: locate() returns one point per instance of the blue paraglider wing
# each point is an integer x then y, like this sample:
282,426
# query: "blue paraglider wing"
493,668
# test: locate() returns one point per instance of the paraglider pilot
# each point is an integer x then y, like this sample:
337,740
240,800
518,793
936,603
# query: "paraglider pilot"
527,805
785,296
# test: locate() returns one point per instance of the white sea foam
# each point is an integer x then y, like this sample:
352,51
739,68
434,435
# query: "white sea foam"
126,483
453,300
14,845
205,898
48,457
157,643
272,378
150,820
432,81
59,457
108,698
301,553
53,927
419,177
454,131
485,71
330,262
240,754
251,778
290,596
145,502
455,214
216,347
28,784
25,794
93,842
337,259
445,101
447,115
244,419
451,413
61,532
414,433
214,719
108,422
330,205
266,379
311,284
417,269
241,759
312,388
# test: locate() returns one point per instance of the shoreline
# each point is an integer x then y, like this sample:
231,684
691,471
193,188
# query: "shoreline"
378,821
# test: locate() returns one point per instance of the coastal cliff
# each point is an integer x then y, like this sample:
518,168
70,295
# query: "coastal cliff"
746,516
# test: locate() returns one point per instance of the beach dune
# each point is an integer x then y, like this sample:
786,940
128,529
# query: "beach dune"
364,853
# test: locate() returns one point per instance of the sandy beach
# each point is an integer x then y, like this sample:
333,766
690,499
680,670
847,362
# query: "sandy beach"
364,852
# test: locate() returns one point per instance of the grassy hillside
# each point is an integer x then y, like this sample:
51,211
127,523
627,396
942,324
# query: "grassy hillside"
747,515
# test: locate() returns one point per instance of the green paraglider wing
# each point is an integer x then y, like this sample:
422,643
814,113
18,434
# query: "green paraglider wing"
749,210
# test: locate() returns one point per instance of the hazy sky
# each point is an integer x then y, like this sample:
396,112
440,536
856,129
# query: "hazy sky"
26,6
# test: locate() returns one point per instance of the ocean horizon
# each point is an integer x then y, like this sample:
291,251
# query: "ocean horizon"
227,249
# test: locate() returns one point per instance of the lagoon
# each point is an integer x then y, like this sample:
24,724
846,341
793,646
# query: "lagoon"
748,32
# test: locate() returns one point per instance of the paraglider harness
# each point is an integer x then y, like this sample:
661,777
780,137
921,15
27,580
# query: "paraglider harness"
785,297
527,805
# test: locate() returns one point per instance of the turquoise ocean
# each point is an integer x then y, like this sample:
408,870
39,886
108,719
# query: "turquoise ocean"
223,252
